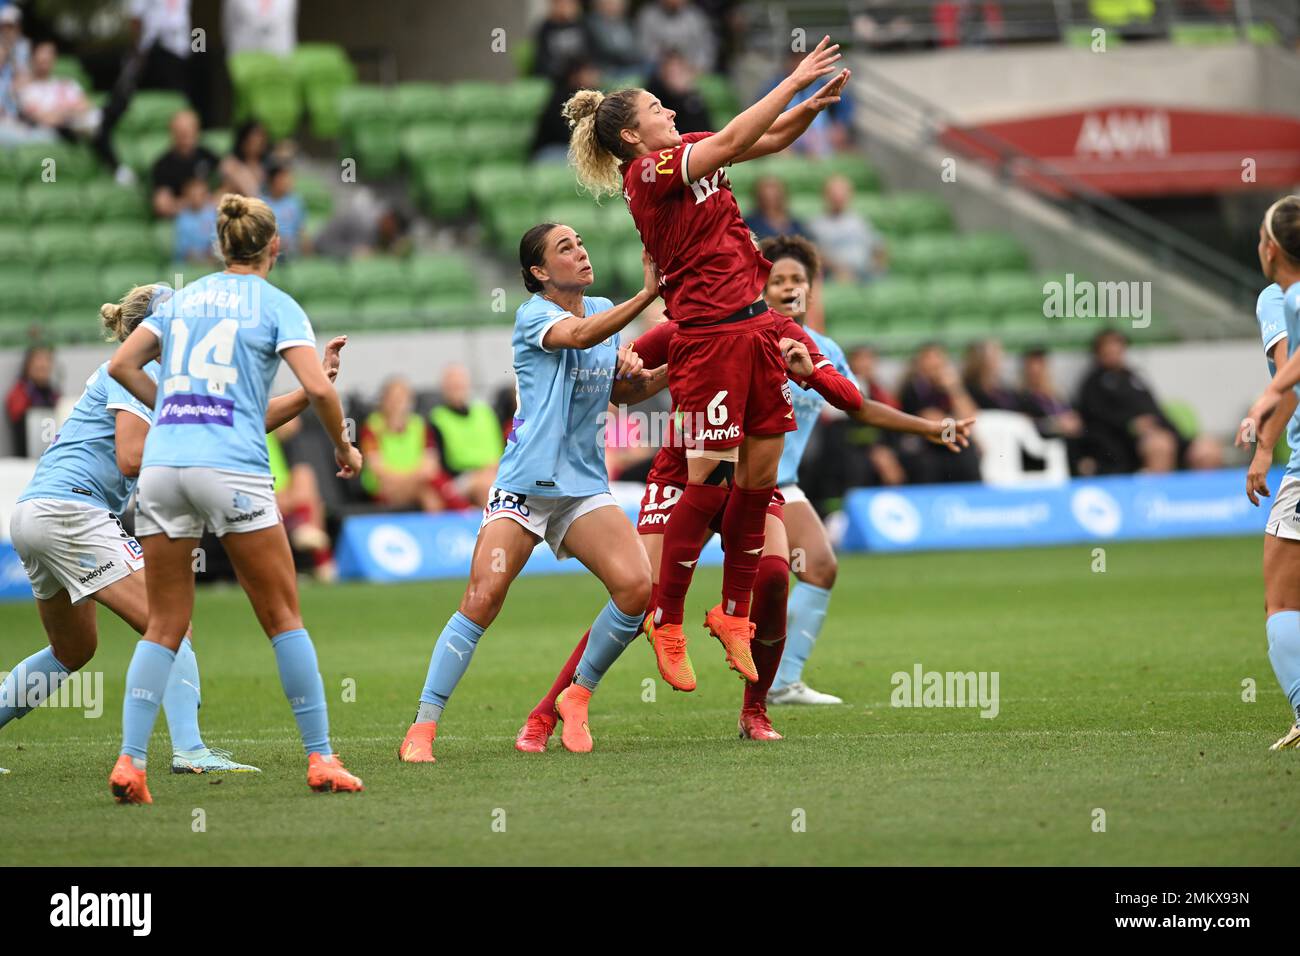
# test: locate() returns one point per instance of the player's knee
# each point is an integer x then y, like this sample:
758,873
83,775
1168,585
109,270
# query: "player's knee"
74,655
632,595
822,570
482,602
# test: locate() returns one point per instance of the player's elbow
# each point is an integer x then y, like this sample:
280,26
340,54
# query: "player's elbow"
128,461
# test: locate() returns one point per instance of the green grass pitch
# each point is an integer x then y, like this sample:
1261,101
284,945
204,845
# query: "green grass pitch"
1119,691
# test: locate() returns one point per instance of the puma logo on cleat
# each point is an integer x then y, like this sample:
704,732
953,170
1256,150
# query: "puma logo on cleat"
754,551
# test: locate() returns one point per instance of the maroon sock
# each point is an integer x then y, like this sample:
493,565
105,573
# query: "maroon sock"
771,591
742,540
684,536
546,706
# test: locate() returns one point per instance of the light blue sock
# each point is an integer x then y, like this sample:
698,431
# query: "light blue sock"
805,615
1284,654
611,633
300,678
450,660
146,679
33,680
181,700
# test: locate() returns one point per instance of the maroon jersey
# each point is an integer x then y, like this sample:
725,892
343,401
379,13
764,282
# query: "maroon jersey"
708,263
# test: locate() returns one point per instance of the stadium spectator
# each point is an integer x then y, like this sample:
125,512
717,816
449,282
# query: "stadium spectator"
771,215
982,377
267,26
851,249
1125,429
365,228
664,25
298,496
34,389
469,436
862,363
613,41
400,465
195,233
15,55
186,159
831,130
551,137
933,389
962,22
561,37
887,27
243,169
1052,414
673,82
163,46
15,49
289,208
55,102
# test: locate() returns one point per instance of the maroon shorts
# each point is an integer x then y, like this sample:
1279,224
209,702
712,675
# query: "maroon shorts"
729,381
663,490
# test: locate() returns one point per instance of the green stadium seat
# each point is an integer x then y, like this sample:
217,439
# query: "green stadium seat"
423,103
987,252
220,141
315,194
585,218
552,181
109,202
64,245
393,310
963,328
317,279
500,183
377,148
719,96
140,152
12,209
33,163
441,277
523,99
802,176
125,242
72,287
429,141
330,315
358,103
278,107
624,266
116,279
24,292
1183,417
151,111
73,327
54,202
957,296
922,255
495,142
377,276
322,71
444,186
900,302
70,68
846,306
1025,329
856,168
16,247
478,101
1013,292
918,213
508,225
265,88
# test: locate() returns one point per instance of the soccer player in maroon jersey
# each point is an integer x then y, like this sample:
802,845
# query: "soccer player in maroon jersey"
726,372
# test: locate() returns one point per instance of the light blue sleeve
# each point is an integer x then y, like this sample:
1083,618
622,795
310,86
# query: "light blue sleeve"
1271,316
292,327
118,398
534,318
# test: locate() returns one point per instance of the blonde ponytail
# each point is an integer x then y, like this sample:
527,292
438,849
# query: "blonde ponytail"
121,318
245,228
596,148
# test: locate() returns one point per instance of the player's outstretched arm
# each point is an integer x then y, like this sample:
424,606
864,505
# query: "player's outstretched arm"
127,364
285,408
791,124
576,333
324,400
731,142
639,387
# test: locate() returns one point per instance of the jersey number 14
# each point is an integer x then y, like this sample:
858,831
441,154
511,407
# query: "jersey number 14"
209,360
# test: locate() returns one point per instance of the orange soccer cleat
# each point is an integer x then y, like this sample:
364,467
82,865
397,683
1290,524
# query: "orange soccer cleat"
735,633
754,724
533,735
127,782
328,775
669,643
417,745
572,705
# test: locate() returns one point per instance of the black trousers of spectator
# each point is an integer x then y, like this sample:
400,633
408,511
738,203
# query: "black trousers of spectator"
152,69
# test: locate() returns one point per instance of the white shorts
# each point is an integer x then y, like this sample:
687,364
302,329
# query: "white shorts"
792,493
1283,519
548,518
179,502
69,545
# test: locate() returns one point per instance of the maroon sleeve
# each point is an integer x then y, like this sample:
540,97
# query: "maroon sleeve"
825,379
652,345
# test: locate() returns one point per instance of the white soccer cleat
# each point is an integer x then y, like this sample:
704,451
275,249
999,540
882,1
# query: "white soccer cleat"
208,760
800,693
3,770
1290,741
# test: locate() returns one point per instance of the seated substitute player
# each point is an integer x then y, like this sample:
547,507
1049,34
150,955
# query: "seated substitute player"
552,484
75,551
789,287
1278,311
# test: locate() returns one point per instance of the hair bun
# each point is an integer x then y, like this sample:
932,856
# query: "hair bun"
233,206
582,104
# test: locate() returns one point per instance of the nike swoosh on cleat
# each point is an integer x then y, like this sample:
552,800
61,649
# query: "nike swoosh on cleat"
688,564
790,414
754,551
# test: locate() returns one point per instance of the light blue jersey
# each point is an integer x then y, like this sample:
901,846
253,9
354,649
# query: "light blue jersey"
1274,325
556,447
221,340
81,464
807,411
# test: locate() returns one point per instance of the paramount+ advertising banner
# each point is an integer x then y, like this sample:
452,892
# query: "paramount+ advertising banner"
1122,507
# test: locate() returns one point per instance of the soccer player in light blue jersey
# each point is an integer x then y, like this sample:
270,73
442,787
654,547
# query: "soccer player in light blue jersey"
552,484
795,266
219,342
1278,312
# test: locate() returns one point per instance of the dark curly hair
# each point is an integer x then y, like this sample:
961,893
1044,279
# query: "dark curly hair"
792,247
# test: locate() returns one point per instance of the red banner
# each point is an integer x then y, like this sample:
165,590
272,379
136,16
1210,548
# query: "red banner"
1134,150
